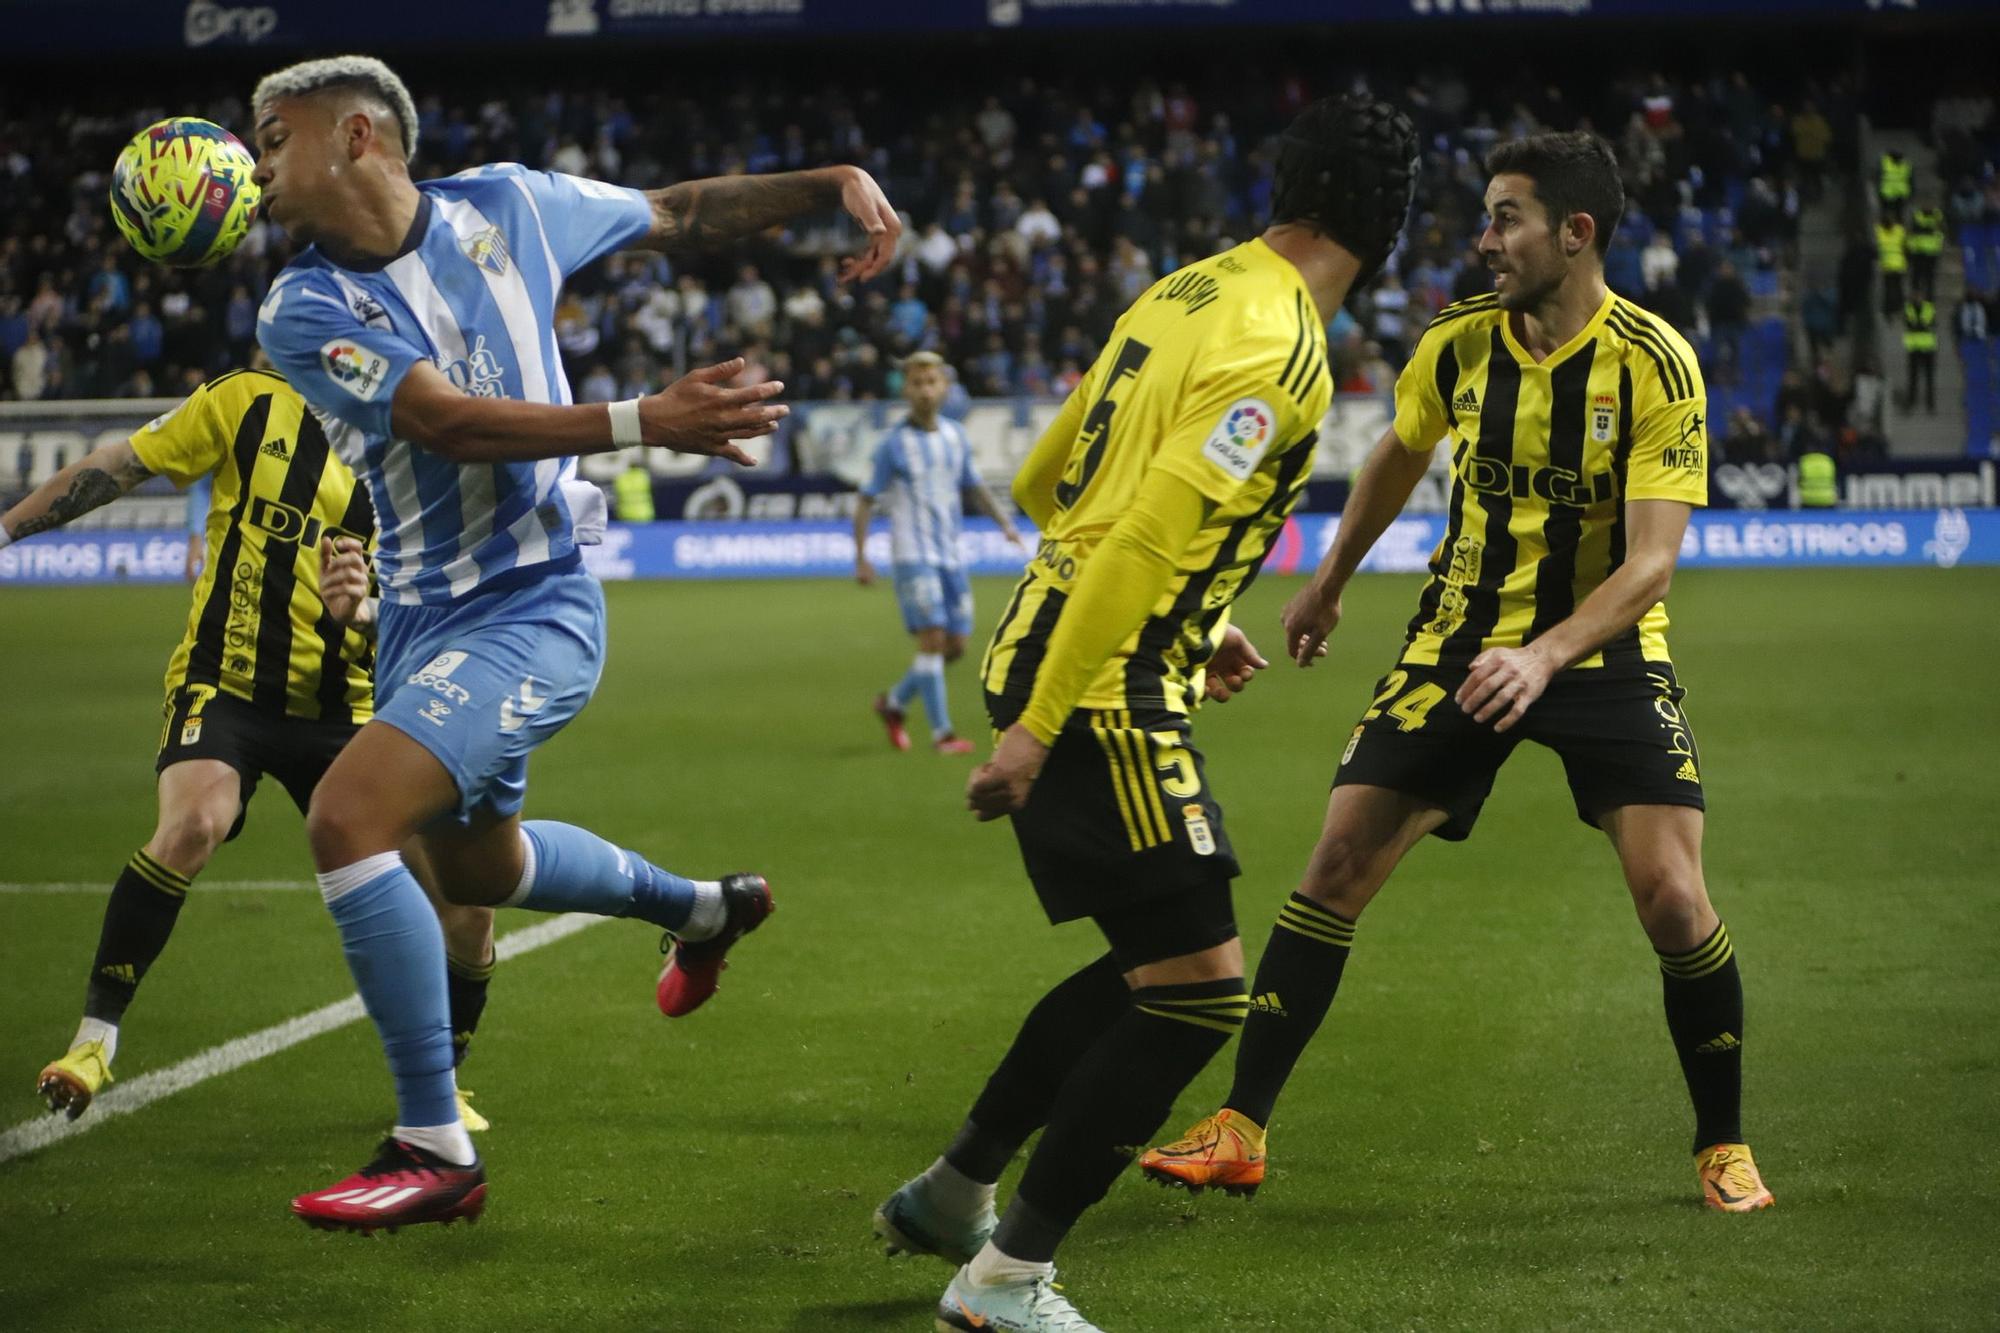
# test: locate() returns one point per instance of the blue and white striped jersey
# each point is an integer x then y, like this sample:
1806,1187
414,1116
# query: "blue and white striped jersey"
920,477
473,290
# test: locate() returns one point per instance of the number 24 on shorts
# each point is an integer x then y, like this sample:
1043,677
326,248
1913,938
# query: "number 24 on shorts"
1413,709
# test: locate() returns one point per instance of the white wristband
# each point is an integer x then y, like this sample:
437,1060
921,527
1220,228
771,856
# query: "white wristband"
5,540
625,423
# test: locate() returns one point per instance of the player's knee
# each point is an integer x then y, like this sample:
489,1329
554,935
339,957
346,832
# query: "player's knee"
186,840
339,830
1342,875
1672,904
468,930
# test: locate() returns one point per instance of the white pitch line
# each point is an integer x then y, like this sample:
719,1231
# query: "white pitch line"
125,1098
100,886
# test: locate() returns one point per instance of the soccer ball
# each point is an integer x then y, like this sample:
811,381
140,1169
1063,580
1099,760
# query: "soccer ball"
182,194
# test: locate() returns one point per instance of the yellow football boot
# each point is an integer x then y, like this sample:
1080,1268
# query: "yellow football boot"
68,1084
1225,1151
1729,1179
475,1123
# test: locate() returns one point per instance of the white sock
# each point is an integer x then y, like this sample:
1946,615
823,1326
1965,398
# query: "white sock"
709,915
955,1193
991,1268
96,1029
450,1142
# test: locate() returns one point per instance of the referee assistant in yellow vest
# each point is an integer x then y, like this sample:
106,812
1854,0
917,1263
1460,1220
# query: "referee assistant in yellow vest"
1920,347
1892,257
1925,244
1894,184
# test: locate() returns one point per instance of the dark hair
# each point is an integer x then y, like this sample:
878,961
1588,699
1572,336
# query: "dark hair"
1573,173
1348,166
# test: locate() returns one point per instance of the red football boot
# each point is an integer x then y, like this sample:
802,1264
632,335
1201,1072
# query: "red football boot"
403,1186
694,967
892,721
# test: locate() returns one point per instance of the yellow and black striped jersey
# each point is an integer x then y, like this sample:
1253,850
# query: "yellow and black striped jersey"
1218,374
258,629
1544,456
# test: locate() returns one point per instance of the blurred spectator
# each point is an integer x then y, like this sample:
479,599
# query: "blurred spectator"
1392,307
1728,315
752,303
31,364
1660,264
1747,441
1819,316
1812,142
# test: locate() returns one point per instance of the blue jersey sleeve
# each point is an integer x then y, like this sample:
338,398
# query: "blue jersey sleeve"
337,363
584,219
885,468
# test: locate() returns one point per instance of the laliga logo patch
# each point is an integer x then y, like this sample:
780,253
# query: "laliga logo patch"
1241,437
354,368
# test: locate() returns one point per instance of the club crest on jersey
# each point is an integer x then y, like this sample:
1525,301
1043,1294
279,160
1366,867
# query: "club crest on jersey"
1603,416
1201,836
1241,437
488,249
354,368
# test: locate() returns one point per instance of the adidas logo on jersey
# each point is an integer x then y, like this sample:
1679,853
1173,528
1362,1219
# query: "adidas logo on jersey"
275,448
1467,400
1718,1045
1687,772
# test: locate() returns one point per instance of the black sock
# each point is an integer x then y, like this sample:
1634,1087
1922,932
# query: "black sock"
465,988
145,901
1704,996
1296,980
1062,1026
1113,1102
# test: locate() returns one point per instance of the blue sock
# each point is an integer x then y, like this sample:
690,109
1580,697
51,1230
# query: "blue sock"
905,689
395,949
929,670
573,870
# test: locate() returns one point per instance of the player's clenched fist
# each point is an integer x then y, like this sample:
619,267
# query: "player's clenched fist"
699,413
1000,786
343,579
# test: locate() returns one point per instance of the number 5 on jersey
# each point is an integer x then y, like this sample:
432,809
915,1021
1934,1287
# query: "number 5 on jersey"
1096,426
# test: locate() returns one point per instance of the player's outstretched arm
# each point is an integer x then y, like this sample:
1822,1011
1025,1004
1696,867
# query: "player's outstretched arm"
1503,682
721,210
1381,489
96,479
696,414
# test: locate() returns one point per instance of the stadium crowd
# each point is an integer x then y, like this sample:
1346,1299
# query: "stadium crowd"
1036,212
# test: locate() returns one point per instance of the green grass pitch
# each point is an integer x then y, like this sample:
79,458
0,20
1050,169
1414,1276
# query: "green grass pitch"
1490,1132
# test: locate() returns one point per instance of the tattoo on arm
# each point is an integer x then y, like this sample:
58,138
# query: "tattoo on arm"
703,214
89,489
